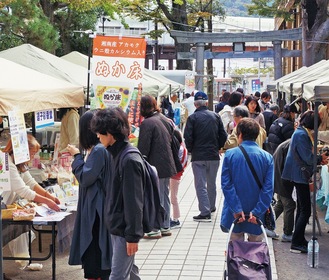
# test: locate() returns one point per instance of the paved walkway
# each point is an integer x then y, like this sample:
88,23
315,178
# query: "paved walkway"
195,251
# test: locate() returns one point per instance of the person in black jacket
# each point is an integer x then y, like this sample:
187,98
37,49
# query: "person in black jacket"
283,188
270,115
204,137
282,128
155,144
123,212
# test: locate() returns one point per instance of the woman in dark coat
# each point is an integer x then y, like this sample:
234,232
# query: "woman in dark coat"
91,243
298,168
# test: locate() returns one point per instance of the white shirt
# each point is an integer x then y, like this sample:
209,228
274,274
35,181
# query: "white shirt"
22,185
189,104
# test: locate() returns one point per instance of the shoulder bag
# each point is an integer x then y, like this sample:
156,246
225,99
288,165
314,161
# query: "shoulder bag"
269,214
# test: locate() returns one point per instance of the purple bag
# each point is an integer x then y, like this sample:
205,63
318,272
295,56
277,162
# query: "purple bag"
248,260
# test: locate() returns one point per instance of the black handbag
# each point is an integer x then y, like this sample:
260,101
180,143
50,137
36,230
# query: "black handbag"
269,220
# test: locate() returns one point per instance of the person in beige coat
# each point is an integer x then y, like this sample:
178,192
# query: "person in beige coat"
239,113
69,133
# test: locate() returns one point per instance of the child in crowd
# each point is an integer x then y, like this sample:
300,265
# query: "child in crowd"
175,181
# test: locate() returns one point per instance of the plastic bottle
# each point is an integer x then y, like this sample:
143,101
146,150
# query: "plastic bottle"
310,253
36,160
45,154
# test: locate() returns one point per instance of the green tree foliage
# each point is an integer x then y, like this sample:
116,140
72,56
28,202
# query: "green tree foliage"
274,8
50,24
181,15
24,22
315,23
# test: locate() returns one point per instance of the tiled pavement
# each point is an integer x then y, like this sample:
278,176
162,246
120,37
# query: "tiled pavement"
196,250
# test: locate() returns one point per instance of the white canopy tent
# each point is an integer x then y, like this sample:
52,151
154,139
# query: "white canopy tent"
293,84
29,90
46,63
317,90
154,83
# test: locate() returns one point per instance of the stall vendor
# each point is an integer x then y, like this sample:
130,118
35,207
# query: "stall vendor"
22,183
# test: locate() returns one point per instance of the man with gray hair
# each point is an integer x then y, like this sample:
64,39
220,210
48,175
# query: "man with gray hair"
204,137
240,112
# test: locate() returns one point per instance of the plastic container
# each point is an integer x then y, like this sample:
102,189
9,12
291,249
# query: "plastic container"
310,253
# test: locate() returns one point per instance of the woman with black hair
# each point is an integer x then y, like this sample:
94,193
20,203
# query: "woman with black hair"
91,242
298,168
255,110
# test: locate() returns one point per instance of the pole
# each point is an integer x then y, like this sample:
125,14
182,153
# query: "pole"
315,152
156,48
199,65
1,256
90,38
277,59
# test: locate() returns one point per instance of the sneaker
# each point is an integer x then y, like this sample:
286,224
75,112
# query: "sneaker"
298,249
201,218
153,235
286,238
165,232
212,210
271,234
174,224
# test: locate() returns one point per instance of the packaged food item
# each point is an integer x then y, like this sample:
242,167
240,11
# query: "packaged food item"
26,214
7,213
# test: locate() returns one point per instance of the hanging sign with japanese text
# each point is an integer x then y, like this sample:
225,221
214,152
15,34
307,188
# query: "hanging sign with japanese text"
44,118
18,136
117,72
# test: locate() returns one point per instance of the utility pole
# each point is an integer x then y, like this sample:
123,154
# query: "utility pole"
210,69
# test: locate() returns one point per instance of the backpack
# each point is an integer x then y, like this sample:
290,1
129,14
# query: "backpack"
153,211
175,145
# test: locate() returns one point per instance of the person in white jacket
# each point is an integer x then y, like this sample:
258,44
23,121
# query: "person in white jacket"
22,183
24,186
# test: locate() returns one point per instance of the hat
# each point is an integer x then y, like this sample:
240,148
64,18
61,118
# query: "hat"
290,108
200,96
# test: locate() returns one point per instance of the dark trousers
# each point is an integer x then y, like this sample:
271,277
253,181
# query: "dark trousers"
287,206
91,259
303,214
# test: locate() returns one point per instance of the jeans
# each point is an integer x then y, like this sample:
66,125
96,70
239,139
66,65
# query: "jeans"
164,200
302,215
123,266
205,174
287,206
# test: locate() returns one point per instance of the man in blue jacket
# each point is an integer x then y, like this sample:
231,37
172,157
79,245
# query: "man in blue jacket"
204,137
241,191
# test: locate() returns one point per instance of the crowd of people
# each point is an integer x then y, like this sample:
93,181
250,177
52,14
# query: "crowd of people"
109,221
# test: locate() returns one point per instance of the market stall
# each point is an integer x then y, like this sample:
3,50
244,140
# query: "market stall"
39,60
29,90
320,94
294,85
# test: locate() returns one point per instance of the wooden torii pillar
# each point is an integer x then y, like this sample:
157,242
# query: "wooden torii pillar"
200,39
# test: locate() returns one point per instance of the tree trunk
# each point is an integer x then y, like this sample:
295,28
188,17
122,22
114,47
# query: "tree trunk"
315,25
179,13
